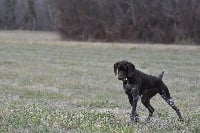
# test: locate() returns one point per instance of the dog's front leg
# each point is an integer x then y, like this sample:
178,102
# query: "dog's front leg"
135,94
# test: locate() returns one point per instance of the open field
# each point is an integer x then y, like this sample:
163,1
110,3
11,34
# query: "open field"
48,85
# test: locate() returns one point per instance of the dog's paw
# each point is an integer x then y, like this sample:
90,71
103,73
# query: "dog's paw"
181,119
134,118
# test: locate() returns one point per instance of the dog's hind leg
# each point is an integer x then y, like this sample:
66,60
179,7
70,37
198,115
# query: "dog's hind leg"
172,104
166,96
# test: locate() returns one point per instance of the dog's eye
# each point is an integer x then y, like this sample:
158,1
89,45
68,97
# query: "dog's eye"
120,69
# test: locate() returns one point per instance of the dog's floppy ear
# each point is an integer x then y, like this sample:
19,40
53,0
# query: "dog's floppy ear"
131,69
115,67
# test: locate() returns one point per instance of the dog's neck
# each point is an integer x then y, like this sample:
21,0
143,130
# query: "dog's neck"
126,81
128,85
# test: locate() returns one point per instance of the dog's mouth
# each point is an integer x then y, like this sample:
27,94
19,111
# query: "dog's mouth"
122,78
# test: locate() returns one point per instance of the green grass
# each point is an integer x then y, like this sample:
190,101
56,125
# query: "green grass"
48,85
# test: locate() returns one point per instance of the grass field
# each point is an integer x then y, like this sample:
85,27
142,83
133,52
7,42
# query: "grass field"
48,85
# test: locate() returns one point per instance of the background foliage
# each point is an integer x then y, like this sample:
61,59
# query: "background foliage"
27,14
157,21
130,20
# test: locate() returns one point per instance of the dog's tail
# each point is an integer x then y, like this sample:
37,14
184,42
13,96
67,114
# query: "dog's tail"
161,74
164,90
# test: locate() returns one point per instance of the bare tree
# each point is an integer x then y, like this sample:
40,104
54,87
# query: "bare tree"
27,14
3,14
45,14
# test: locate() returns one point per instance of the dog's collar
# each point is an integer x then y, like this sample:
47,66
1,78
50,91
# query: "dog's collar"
125,80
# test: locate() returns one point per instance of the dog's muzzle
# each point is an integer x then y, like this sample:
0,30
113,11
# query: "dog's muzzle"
123,79
121,76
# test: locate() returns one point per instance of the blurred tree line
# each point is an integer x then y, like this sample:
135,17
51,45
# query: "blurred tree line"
161,21
27,14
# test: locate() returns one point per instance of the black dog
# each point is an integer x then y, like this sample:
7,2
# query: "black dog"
137,83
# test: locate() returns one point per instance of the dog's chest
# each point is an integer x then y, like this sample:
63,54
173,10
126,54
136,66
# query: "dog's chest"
128,87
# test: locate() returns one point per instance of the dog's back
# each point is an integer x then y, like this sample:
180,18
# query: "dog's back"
152,82
148,80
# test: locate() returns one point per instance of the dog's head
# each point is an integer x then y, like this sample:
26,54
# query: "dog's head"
123,70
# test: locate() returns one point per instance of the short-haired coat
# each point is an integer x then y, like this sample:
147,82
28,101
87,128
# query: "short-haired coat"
137,83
